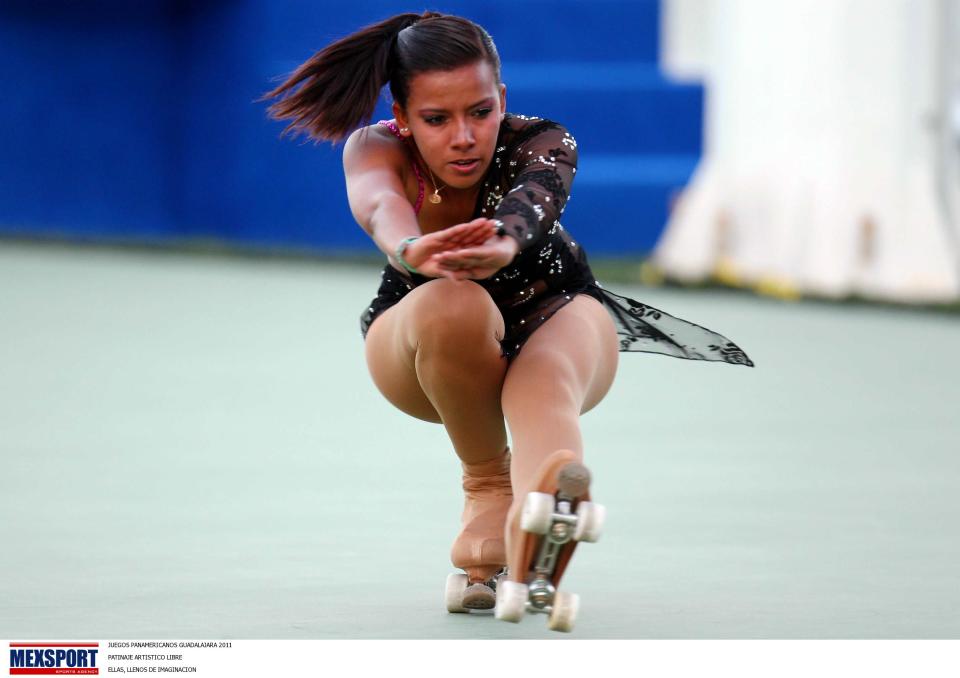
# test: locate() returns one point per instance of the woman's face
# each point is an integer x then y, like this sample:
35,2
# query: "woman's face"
454,118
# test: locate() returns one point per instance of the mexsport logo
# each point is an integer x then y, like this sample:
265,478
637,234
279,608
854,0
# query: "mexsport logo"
36,659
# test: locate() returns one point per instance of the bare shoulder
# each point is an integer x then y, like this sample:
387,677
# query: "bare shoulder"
374,146
375,164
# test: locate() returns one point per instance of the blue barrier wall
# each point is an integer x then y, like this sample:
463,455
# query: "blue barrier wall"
137,120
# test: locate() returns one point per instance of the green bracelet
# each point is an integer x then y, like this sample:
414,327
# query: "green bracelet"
401,248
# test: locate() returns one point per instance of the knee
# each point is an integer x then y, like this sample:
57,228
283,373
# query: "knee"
448,311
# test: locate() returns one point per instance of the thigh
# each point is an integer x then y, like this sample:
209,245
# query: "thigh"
573,355
392,363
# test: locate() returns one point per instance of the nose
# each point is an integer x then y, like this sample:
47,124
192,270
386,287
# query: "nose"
463,135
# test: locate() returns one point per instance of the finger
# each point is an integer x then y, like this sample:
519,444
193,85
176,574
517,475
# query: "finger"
449,241
467,227
452,260
479,222
469,239
478,232
470,229
481,252
437,246
447,264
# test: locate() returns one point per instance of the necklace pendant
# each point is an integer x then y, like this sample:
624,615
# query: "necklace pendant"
435,198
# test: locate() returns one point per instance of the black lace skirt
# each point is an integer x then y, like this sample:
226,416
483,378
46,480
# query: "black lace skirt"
527,302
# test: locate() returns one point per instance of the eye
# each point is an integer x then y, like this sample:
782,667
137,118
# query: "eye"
482,112
434,120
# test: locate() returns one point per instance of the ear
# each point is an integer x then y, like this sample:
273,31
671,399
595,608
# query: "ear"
503,101
401,118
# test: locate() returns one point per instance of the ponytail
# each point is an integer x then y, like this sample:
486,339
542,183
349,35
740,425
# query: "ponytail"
336,90
341,83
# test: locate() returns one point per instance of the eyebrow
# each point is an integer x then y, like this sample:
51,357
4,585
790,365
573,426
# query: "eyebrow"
443,110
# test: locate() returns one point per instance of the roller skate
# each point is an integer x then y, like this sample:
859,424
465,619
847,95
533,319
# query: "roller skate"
541,534
479,549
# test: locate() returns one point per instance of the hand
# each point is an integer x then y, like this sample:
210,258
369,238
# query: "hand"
421,252
478,262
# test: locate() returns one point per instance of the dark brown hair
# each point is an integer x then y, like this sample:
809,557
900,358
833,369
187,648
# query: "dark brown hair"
336,90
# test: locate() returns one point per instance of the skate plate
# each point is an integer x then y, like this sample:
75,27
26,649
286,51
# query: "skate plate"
542,534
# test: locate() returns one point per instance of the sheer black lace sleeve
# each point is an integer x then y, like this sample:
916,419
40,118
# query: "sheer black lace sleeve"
541,164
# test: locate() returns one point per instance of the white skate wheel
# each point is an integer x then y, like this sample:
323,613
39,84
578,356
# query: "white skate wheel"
537,513
457,583
590,519
511,601
564,613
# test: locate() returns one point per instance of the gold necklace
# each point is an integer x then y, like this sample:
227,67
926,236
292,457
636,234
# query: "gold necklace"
435,198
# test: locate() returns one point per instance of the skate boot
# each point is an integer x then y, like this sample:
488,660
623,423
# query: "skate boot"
543,528
479,550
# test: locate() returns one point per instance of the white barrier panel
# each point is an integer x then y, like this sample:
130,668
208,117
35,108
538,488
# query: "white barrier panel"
822,163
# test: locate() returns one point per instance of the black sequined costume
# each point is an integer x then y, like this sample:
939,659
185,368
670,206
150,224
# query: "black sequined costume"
526,188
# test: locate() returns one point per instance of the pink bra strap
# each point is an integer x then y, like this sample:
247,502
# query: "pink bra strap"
416,170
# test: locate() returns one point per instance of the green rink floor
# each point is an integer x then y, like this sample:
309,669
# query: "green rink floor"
192,448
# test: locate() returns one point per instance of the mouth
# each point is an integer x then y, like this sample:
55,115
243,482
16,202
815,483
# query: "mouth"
465,166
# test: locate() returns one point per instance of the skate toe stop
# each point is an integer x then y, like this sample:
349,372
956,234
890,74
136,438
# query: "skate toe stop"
574,480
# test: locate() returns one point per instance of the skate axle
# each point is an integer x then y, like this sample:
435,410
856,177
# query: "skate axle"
546,609
541,593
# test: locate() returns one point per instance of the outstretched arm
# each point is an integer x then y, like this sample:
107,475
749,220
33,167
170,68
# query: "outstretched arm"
373,167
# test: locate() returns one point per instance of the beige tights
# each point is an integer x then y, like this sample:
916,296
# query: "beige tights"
436,356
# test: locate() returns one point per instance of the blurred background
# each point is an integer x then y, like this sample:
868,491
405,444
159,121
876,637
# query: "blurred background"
192,446
136,120
822,140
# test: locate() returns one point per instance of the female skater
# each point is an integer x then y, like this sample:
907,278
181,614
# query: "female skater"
487,315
